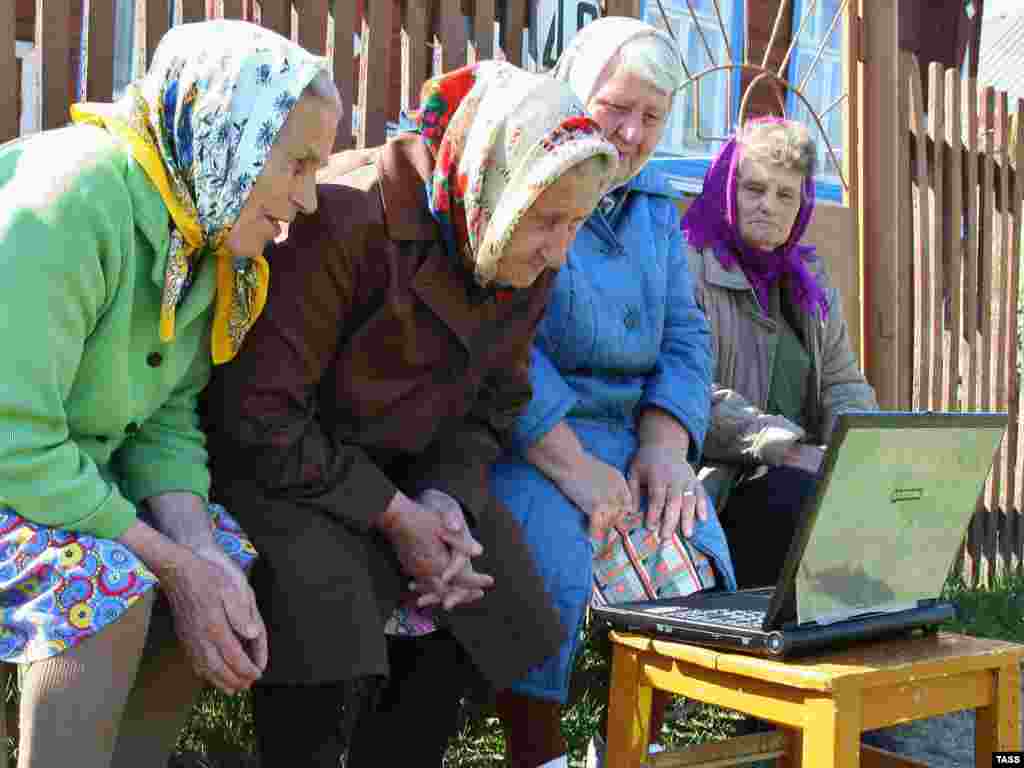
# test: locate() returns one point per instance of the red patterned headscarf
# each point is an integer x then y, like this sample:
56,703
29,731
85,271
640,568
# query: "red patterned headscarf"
500,136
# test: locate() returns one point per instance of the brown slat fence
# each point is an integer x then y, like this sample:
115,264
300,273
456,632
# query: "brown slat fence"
961,247
450,32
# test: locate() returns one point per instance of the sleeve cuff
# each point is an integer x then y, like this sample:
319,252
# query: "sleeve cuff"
112,518
363,497
155,479
528,431
694,424
774,436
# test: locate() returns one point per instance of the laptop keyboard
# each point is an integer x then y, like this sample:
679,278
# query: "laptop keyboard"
728,616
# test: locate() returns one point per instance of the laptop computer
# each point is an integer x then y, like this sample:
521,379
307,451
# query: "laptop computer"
871,551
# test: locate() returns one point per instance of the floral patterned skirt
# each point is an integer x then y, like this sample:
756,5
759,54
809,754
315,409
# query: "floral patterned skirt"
58,588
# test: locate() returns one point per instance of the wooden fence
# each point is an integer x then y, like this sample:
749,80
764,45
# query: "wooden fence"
959,268
450,32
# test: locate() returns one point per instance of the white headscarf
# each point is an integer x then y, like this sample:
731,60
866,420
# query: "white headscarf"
584,61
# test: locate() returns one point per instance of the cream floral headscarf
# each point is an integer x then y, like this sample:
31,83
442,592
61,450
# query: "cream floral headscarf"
201,123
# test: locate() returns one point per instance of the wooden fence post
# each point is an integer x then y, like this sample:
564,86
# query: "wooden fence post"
515,21
344,28
52,40
9,89
100,67
375,62
483,30
883,215
452,31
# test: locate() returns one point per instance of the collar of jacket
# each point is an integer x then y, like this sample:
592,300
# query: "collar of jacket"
735,279
404,166
400,169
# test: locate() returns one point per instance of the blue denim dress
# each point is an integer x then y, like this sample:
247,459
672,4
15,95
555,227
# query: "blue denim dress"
622,332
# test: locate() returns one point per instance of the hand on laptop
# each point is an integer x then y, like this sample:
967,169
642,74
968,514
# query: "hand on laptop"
804,456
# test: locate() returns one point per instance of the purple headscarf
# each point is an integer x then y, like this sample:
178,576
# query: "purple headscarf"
711,222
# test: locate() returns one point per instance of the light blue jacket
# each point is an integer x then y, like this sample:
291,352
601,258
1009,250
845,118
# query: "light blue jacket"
622,330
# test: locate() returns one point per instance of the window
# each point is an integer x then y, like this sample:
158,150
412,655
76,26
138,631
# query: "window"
686,149
824,88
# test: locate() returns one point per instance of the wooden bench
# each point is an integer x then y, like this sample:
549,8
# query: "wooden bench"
823,703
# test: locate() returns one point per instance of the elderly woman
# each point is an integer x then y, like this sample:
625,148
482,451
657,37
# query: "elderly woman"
357,427
131,250
621,373
784,366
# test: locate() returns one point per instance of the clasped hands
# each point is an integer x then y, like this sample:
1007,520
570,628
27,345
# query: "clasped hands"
434,547
658,470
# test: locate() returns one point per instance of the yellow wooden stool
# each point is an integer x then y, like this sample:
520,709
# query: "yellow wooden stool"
823,702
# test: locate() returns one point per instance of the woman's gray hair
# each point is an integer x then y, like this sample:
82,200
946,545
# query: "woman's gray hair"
780,142
651,58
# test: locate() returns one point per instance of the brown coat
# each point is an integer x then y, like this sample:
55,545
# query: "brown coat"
374,368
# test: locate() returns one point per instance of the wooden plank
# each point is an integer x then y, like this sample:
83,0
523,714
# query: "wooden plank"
986,223
9,69
883,113
451,27
623,8
1016,455
985,297
157,22
1000,353
851,55
952,240
873,757
904,288
482,44
833,231
313,25
277,15
922,274
917,699
970,103
418,54
783,705
375,66
100,70
233,9
516,20
193,10
751,747
936,289
997,726
52,41
975,535
831,732
629,709
344,75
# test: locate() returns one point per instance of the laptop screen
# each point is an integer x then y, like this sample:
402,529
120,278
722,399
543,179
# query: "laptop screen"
897,495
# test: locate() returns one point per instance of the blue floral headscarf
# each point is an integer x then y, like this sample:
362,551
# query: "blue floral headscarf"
201,123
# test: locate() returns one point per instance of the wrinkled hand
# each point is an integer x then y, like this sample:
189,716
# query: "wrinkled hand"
418,537
216,619
805,457
673,492
460,582
601,493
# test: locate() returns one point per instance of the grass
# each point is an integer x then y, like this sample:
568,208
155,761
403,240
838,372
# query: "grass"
220,731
